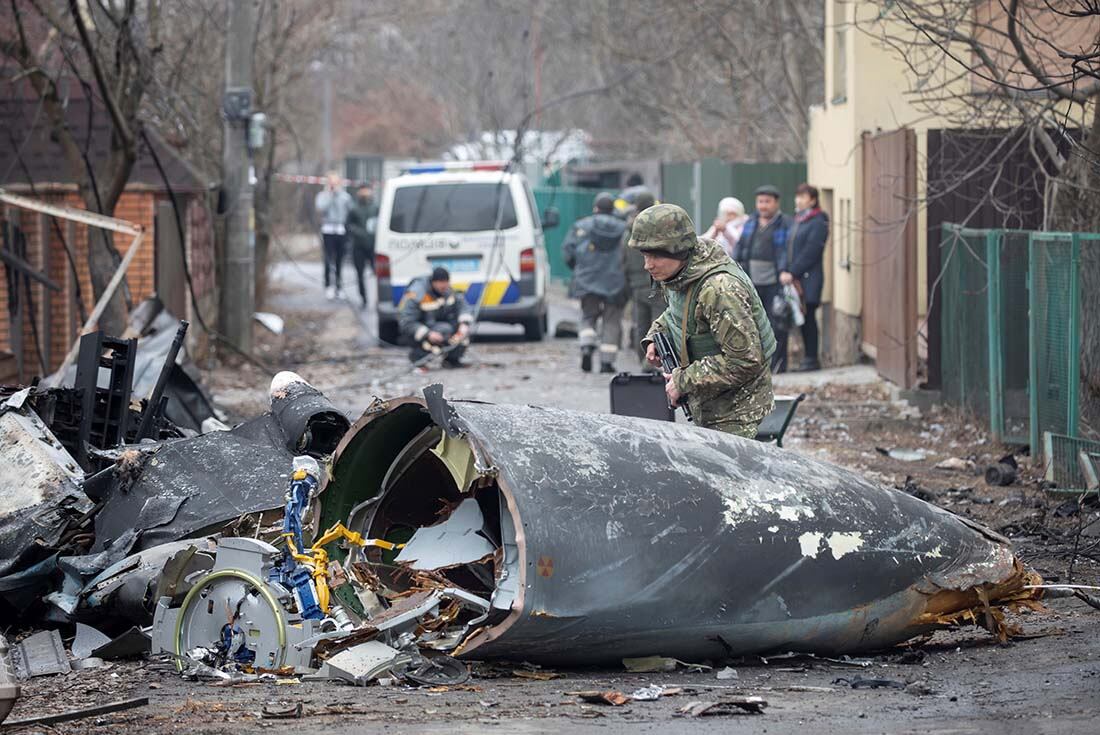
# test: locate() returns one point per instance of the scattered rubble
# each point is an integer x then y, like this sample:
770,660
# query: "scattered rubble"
9,686
954,464
432,533
1002,472
730,706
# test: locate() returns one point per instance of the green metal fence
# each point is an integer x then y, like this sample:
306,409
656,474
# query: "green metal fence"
964,345
697,186
1011,326
572,204
1064,466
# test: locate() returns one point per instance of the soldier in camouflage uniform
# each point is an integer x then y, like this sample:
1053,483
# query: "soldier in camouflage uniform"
714,319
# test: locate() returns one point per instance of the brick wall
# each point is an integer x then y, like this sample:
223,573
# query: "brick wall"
58,316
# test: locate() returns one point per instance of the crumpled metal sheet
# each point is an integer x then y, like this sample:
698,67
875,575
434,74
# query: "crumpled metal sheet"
40,654
642,538
40,491
193,486
127,589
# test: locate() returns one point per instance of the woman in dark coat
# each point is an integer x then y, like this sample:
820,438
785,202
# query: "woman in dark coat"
805,249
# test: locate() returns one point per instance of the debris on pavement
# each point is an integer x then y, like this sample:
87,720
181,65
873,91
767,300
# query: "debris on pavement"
9,682
281,711
902,454
87,640
657,664
130,643
99,709
40,654
859,682
536,675
954,464
615,699
727,673
364,663
1002,472
654,692
736,705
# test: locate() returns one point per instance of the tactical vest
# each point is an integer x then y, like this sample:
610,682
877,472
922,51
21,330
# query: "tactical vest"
698,345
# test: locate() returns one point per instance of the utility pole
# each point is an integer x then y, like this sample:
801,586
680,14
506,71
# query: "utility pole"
326,114
238,291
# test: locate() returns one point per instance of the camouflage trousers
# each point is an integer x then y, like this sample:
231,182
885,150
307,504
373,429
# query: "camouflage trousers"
739,411
740,428
645,307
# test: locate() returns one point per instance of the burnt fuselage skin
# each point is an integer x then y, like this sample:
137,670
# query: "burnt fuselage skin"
641,537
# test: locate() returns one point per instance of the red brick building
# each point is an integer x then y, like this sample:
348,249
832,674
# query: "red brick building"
32,165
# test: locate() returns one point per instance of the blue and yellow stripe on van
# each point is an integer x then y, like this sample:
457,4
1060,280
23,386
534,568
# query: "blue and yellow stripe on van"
497,292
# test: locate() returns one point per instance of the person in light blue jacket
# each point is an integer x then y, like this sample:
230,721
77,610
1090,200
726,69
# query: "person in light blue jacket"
332,205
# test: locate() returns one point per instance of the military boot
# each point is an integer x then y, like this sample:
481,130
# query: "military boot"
586,358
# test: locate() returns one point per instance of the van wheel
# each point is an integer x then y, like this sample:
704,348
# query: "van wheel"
387,332
534,329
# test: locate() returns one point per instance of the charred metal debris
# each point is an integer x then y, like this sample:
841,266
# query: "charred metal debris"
433,532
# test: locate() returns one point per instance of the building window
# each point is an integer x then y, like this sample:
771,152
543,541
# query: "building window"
840,52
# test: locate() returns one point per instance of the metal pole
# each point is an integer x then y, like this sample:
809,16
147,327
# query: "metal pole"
993,241
326,112
152,406
238,289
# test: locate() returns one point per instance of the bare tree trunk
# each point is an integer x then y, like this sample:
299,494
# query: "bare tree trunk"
1077,209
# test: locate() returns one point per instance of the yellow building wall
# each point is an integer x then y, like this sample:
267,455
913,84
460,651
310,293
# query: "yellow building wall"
875,99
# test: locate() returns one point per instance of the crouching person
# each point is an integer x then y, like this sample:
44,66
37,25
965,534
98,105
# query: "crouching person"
714,320
433,318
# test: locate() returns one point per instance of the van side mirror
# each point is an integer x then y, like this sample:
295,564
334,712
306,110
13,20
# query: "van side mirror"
551,218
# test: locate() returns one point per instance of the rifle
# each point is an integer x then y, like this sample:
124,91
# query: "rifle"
669,362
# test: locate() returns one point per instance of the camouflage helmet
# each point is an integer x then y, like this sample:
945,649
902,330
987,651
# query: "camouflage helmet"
666,228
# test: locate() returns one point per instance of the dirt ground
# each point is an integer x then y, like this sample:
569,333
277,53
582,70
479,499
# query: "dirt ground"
956,682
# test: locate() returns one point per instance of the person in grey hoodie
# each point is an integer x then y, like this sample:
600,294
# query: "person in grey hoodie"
332,204
593,251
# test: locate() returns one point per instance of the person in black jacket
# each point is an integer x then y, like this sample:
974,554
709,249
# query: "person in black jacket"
806,246
762,253
435,319
361,225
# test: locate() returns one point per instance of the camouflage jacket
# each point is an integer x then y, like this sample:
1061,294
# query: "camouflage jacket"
732,389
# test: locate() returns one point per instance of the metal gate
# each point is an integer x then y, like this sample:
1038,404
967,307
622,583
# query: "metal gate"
889,259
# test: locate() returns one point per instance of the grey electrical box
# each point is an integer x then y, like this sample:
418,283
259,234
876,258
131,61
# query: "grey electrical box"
237,103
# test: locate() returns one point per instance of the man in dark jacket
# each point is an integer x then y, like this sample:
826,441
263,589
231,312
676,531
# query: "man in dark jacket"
434,318
762,254
805,248
593,251
361,225
646,299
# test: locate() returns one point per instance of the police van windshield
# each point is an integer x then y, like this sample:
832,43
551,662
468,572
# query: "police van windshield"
452,208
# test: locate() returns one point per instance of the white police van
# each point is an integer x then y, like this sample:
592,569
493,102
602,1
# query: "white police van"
477,220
